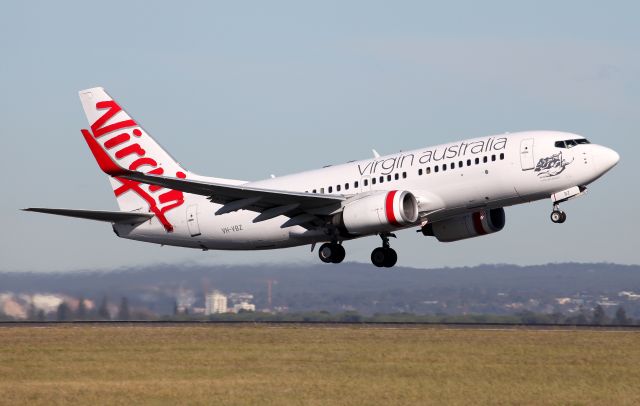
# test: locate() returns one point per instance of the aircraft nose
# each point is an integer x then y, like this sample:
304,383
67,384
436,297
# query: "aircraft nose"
607,158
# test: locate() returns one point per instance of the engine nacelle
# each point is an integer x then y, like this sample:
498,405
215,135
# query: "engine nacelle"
379,212
482,222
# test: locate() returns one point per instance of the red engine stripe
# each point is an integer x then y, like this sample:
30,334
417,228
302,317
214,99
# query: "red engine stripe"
389,208
477,223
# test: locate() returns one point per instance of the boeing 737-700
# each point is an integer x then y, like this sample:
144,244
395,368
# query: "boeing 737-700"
450,192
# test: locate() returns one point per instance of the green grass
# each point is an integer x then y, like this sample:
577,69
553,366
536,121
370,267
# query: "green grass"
300,365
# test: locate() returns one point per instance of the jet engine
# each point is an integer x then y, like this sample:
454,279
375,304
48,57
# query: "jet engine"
468,226
375,213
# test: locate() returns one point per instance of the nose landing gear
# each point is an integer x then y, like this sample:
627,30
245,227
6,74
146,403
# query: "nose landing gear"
557,215
384,256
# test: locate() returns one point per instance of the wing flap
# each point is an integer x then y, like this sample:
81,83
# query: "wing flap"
98,215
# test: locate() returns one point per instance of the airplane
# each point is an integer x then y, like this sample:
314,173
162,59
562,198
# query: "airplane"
451,192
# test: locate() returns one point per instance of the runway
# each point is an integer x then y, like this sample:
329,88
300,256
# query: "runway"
333,324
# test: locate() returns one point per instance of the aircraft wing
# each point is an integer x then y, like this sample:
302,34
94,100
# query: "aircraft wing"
99,215
270,203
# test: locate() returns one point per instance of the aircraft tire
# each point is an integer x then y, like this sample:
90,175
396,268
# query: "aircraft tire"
326,252
338,253
378,257
391,257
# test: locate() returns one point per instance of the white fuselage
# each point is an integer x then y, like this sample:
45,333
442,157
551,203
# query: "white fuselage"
448,181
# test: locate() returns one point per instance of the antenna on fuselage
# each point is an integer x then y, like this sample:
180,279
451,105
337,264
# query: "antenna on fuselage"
375,153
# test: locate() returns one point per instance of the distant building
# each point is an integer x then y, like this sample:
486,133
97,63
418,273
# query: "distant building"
236,298
198,310
244,306
629,295
241,302
215,302
9,306
184,301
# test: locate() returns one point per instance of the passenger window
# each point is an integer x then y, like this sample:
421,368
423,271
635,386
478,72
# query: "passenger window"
322,190
397,176
389,178
484,159
502,156
493,158
373,181
460,164
366,182
477,161
330,189
435,168
314,190
404,175
381,179
355,184
444,167
428,170
346,186
468,162
338,188
420,172
453,165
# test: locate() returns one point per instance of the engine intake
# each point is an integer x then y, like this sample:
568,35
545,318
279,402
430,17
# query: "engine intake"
379,212
471,225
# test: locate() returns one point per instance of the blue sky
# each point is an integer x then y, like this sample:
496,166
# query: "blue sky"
247,89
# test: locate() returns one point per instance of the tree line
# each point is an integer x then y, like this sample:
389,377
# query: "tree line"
106,312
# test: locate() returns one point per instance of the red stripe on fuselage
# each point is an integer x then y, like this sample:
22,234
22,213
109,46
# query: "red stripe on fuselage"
389,208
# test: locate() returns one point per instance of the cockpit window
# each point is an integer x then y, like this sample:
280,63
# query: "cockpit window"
571,143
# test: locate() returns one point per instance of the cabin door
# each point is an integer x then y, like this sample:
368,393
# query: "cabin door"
526,154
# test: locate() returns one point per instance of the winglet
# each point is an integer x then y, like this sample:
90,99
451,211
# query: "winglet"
108,165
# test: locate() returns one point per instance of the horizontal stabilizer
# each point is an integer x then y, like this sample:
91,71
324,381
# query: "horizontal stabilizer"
99,215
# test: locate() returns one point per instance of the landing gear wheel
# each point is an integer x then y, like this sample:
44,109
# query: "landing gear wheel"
339,254
558,216
391,258
384,257
378,257
331,253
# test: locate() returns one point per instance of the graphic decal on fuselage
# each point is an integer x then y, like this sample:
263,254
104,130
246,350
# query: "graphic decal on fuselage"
122,137
552,166
462,149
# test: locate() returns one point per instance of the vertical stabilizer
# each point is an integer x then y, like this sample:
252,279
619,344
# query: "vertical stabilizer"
132,147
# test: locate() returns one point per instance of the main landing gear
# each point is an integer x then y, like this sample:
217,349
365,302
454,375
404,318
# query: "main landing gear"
331,253
384,256
557,215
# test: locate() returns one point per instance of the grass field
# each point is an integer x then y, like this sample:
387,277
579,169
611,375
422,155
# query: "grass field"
300,365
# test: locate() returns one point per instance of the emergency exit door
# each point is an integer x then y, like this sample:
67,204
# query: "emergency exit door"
192,220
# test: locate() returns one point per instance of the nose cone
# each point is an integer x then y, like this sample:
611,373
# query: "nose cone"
607,158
